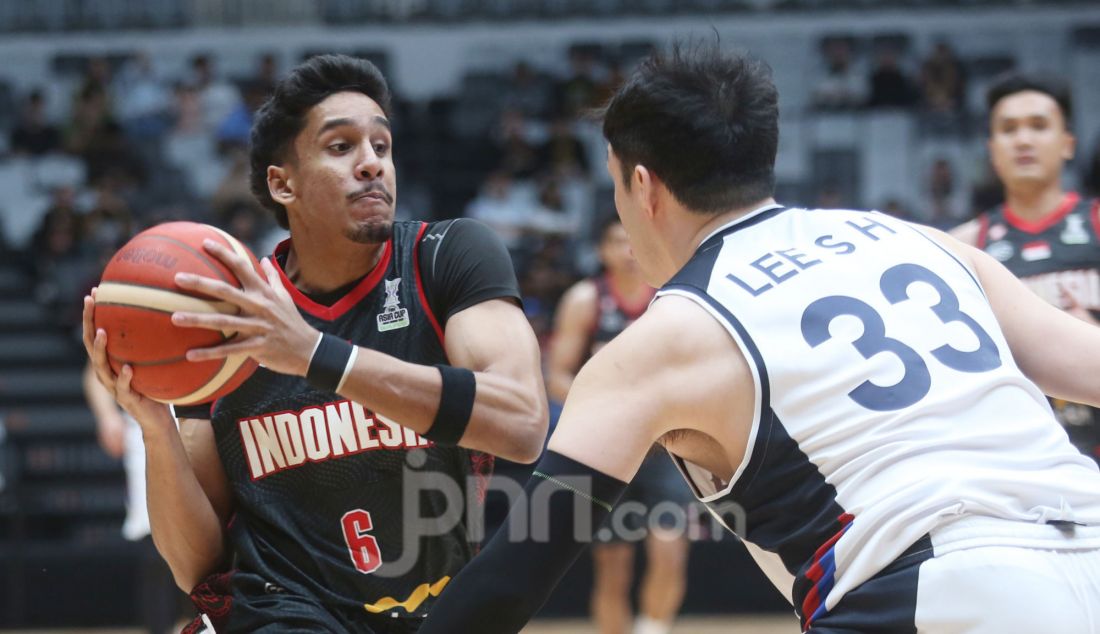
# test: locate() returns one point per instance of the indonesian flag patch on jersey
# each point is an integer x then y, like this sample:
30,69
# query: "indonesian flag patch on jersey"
1033,251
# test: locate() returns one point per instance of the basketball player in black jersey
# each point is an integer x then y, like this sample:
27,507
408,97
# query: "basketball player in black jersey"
591,314
1048,237
315,497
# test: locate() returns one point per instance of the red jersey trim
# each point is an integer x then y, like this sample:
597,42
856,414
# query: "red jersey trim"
1046,222
1095,215
420,285
983,230
344,304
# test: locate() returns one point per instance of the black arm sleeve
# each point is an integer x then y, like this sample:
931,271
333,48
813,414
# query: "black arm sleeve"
506,584
463,263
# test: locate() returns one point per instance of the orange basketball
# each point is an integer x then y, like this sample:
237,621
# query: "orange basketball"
135,301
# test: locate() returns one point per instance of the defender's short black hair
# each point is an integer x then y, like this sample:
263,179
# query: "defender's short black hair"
705,122
1013,82
283,115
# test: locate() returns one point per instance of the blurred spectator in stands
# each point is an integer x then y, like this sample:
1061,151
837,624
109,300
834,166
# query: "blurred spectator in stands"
97,76
33,134
615,78
142,101
107,227
498,206
236,129
563,153
217,97
267,72
580,90
233,189
893,207
187,118
890,86
90,114
515,146
562,206
111,152
543,280
248,223
829,197
940,189
840,86
942,80
528,92
58,259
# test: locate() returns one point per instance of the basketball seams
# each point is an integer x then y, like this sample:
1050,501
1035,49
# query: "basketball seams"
230,366
211,263
157,299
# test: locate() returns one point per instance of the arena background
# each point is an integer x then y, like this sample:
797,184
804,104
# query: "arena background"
117,114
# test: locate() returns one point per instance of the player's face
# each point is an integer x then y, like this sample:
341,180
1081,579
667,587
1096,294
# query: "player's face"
634,224
615,251
1028,140
344,168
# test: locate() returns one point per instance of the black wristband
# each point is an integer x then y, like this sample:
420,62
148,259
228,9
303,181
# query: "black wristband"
331,362
456,403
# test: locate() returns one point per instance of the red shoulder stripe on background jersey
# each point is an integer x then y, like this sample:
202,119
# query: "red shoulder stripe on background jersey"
983,230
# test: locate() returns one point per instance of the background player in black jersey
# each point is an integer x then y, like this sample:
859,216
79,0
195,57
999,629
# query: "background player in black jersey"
321,474
1047,236
590,314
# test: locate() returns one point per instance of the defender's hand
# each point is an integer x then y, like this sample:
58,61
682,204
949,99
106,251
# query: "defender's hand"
269,327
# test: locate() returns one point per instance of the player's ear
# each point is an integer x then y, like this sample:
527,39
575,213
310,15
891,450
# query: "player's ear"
644,183
280,185
1070,147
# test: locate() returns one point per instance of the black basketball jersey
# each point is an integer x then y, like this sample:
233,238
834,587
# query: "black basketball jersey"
1059,251
336,502
613,314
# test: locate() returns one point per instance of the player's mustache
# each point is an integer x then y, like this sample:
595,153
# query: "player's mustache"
375,187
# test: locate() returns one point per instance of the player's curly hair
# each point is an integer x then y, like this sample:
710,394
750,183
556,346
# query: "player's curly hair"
705,122
283,115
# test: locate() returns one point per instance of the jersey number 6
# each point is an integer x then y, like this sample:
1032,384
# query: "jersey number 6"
362,547
917,380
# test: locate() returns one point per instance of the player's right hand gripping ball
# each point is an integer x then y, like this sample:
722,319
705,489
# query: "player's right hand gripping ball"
135,301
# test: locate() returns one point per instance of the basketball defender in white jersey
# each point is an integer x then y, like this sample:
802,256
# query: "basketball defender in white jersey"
860,399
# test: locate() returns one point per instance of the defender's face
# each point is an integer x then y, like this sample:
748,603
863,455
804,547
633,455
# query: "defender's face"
1028,140
638,230
344,170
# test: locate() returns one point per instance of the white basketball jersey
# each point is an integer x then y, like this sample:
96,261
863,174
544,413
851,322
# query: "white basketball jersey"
888,402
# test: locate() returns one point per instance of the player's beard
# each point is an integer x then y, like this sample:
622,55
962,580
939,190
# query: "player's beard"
372,232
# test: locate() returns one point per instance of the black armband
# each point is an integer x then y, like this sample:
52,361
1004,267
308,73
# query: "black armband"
513,576
331,363
456,403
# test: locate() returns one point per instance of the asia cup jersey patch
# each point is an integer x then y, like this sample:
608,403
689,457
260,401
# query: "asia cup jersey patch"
873,351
